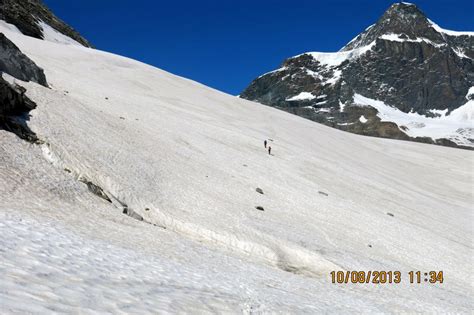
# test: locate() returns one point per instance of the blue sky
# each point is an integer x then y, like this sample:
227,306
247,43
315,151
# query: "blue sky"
226,44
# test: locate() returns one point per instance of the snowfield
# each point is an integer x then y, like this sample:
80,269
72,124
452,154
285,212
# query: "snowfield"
334,59
458,126
188,159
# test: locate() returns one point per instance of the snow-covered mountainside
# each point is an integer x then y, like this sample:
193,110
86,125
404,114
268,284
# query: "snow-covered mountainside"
113,136
422,74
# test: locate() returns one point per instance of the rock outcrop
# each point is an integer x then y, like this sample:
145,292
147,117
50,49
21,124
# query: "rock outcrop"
17,64
14,109
14,104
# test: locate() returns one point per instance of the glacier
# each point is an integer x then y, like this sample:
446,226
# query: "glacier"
186,159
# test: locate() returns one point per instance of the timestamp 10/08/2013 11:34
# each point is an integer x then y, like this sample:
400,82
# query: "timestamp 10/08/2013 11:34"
386,277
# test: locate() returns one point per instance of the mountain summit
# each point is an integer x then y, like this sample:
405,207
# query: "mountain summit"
404,77
401,18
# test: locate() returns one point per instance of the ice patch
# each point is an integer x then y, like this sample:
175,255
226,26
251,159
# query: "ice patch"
470,93
341,106
303,96
460,53
324,110
336,76
314,74
397,38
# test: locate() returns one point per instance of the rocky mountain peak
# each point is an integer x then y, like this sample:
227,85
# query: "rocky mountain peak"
402,19
403,10
403,77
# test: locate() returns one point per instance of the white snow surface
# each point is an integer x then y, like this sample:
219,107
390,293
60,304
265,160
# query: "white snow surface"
399,38
449,32
52,35
458,126
470,93
302,97
460,52
193,157
362,119
10,27
330,63
334,59
341,106
273,71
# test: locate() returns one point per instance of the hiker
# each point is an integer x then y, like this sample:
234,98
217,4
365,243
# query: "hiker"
270,150
265,143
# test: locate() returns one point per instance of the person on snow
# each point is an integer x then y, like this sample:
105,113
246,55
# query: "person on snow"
270,150
265,143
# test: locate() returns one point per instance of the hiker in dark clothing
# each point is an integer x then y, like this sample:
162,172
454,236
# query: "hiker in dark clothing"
270,150
265,143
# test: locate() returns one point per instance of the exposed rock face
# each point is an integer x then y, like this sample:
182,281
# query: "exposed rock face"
404,60
18,65
14,108
14,105
26,14
13,99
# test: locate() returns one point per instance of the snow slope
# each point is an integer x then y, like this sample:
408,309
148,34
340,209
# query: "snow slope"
458,126
334,59
52,35
449,32
188,159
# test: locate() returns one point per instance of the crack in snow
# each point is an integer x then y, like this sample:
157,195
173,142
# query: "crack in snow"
287,257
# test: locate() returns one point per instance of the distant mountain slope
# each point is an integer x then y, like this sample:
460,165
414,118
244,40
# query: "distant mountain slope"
34,19
420,75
